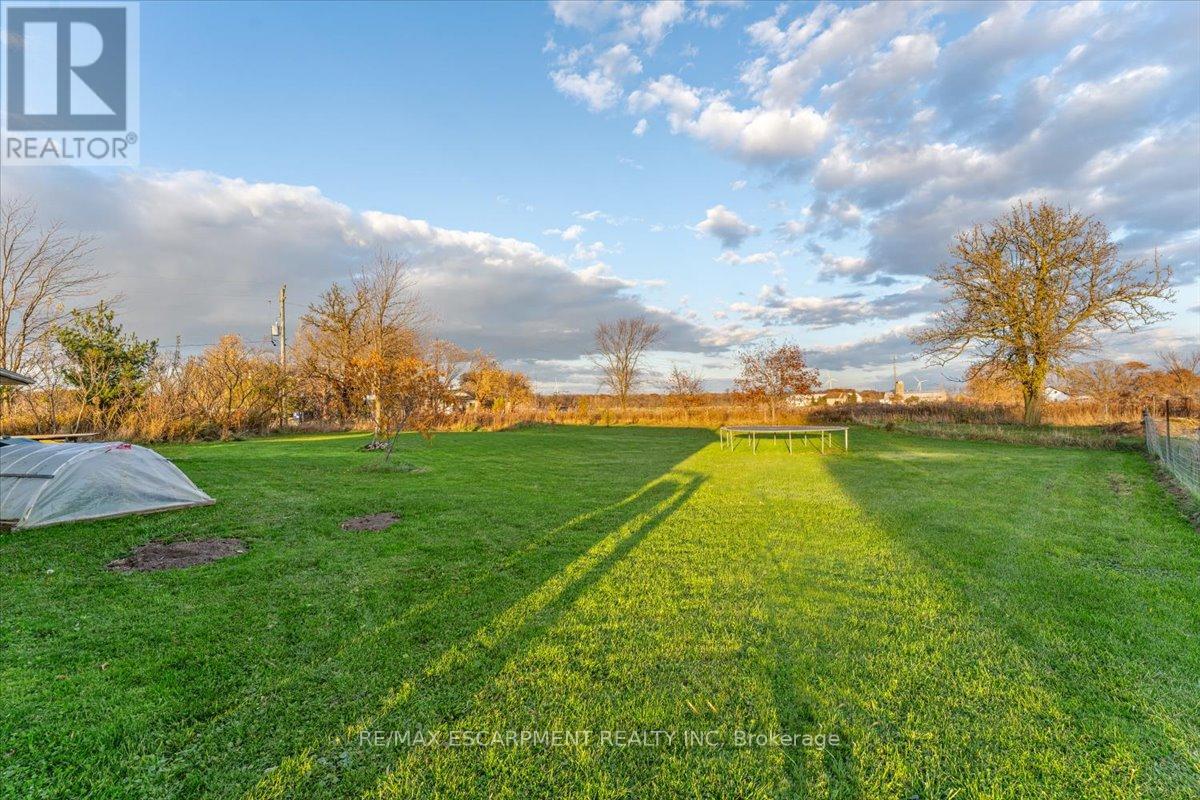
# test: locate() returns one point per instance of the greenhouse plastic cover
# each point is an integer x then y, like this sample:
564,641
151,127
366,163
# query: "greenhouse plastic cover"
43,484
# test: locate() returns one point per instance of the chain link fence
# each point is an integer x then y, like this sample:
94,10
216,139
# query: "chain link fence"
1176,442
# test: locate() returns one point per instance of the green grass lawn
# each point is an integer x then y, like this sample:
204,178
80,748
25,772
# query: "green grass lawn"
969,619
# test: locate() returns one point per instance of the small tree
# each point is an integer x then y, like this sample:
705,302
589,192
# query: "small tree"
494,387
620,346
107,366
1033,289
233,387
684,388
391,317
773,372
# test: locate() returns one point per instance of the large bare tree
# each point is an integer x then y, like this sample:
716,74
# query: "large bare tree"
619,349
1033,289
42,269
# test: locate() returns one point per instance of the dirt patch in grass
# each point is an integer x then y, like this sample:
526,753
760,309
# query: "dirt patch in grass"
394,466
1118,484
154,556
371,522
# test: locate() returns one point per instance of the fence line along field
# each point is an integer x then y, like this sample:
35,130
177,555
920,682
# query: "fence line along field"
964,619
1175,442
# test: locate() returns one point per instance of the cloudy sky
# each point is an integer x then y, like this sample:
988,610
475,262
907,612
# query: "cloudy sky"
735,171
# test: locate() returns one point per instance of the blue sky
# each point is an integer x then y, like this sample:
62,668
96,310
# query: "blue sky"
737,171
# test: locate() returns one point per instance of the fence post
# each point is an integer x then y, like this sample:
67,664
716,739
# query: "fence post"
1168,404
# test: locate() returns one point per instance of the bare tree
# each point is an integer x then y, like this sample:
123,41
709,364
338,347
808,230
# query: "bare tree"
1033,289
1181,372
448,362
41,270
1106,382
620,346
684,388
773,372
392,317
328,345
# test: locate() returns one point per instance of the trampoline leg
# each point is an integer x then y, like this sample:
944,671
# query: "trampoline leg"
789,441
822,442
846,440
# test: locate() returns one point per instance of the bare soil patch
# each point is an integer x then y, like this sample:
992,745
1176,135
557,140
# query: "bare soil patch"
394,466
154,556
371,522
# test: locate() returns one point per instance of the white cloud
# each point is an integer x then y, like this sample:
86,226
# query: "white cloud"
738,185
570,233
873,351
775,306
680,101
823,216
733,259
911,121
640,128
644,22
618,62
753,134
587,14
866,89
588,252
198,254
600,87
758,134
652,20
595,89
852,267
725,225
851,33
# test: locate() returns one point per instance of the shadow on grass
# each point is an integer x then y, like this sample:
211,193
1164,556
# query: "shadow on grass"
806,768
1076,591
465,669
426,659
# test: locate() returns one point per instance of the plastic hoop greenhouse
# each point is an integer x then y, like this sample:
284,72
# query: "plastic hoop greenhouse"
44,484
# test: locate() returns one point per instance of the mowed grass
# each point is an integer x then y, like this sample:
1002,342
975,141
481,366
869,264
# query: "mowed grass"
969,619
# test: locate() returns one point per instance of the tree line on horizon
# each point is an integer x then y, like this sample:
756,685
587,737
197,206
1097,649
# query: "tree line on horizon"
1027,295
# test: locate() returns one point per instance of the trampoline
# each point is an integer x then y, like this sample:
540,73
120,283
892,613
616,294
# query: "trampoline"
825,433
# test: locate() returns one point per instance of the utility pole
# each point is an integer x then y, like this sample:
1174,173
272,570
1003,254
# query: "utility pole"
283,326
283,353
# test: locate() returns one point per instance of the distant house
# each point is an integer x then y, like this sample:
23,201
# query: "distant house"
835,397
10,378
939,396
